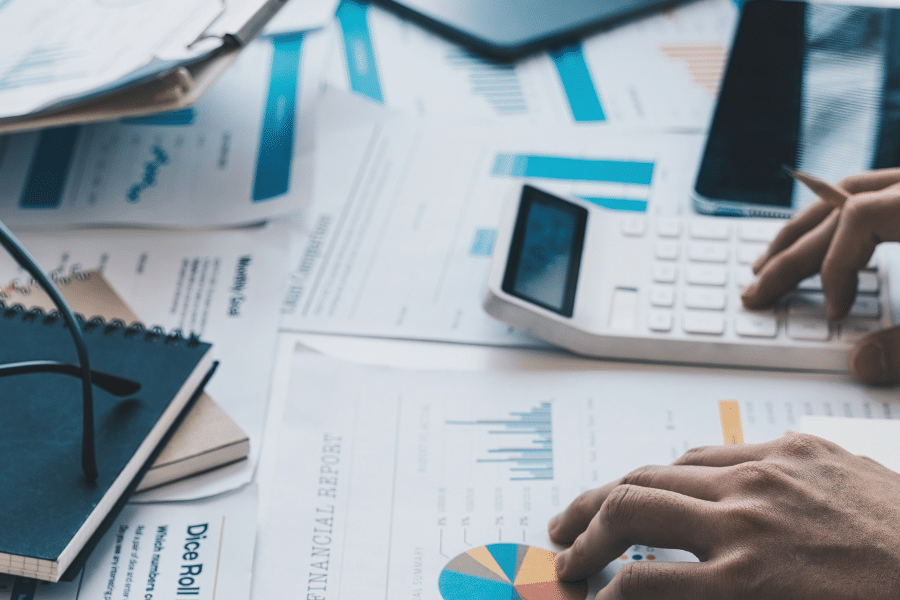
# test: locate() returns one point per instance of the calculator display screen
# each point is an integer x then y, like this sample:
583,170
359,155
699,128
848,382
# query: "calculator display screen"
545,254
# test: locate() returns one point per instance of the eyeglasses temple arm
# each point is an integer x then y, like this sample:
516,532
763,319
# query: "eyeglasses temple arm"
23,257
117,386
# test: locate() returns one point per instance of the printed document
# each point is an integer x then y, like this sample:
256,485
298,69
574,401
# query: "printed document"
660,71
201,550
405,470
59,51
241,154
398,238
222,286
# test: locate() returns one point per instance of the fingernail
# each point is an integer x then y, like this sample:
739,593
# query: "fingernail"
748,293
759,263
561,562
869,363
553,523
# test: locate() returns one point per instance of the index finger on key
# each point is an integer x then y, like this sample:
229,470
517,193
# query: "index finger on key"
791,266
793,230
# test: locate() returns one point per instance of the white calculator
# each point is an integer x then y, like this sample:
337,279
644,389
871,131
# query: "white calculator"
628,285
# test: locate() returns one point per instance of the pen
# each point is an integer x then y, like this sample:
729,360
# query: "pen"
827,192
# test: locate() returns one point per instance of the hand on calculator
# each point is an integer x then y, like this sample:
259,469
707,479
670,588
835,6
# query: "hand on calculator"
837,243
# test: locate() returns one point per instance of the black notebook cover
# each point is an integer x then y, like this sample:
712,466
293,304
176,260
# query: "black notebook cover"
48,511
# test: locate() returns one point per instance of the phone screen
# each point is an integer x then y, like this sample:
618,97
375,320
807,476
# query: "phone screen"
814,87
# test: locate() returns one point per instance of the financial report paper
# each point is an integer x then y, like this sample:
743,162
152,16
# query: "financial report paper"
241,154
661,71
404,470
222,286
398,238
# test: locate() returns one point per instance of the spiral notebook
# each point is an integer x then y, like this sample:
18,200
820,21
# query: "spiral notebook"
207,438
51,515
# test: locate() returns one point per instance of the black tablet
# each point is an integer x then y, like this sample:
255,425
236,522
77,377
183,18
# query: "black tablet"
511,28
814,87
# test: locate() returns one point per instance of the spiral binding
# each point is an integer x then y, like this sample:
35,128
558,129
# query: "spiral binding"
132,331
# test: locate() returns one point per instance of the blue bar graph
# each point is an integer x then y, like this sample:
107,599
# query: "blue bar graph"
578,84
483,244
527,462
628,204
361,63
273,165
46,179
175,118
573,169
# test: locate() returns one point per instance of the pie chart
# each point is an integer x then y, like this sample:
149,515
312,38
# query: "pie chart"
506,572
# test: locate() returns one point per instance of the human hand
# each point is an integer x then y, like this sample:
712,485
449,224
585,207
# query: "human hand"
798,518
837,243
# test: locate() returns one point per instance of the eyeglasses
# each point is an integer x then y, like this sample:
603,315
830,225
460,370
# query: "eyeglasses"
117,386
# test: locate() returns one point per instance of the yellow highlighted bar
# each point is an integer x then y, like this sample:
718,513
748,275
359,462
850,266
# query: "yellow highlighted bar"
732,431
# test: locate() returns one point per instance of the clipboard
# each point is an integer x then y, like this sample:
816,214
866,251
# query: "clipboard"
161,85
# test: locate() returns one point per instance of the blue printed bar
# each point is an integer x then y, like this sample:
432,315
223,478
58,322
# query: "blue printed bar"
273,166
175,118
361,64
46,179
573,169
530,464
618,203
483,244
578,84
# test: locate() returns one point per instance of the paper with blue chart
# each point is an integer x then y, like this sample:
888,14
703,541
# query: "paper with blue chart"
398,237
196,167
662,71
404,470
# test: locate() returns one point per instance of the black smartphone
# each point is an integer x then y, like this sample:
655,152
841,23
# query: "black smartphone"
814,87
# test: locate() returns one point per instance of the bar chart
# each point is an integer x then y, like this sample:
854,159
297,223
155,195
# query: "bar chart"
617,184
497,83
524,442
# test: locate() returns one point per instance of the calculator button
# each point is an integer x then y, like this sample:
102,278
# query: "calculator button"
807,328
667,250
868,283
660,320
708,252
866,307
708,229
853,329
759,231
744,276
712,323
662,295
808,305
813,284
668,227
707,275
634,226
664,273
756,323
623,309
748,253
705,298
